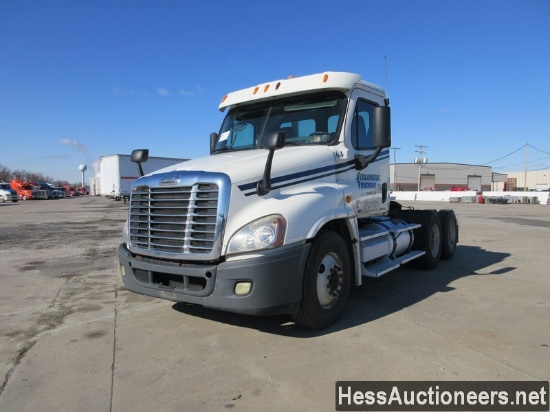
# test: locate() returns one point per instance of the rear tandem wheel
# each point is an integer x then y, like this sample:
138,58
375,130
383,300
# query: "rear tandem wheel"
450,233
427,237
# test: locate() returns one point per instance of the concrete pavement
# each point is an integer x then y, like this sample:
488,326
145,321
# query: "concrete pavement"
73,339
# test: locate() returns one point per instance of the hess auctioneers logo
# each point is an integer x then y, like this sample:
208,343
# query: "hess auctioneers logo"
442,396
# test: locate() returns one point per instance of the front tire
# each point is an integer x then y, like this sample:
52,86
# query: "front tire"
326,282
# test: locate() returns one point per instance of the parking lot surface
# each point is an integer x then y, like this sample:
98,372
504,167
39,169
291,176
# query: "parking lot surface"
73,339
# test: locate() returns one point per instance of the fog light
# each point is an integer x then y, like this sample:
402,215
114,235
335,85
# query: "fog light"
122,270
243,288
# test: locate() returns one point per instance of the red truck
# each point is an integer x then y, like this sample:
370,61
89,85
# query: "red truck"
26,191
71,190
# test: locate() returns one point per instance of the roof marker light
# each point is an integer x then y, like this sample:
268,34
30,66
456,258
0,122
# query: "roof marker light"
255,90
277,86
224,98
266,87
325,78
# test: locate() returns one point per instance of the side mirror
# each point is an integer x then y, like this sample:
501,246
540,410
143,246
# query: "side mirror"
381,136
213,141
140,156
271,142
382,127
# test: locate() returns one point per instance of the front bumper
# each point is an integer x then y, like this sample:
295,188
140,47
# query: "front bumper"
276,276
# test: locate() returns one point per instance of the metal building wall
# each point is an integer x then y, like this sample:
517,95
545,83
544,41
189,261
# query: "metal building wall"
534,180
447,175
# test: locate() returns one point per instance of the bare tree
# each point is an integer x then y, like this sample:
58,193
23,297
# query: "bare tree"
5,174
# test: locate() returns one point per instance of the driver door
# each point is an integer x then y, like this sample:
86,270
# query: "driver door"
369,185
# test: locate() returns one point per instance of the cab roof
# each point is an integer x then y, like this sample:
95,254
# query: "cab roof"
340,81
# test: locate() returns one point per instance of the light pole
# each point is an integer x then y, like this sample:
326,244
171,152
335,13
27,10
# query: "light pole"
420,159
395,167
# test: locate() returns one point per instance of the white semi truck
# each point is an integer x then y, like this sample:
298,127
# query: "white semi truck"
289,211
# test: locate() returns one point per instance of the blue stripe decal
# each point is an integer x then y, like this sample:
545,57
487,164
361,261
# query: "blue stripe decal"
332,169
308,175
309,179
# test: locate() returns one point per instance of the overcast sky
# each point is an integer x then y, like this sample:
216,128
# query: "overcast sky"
469,79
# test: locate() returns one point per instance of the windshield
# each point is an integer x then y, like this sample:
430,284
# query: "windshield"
306,120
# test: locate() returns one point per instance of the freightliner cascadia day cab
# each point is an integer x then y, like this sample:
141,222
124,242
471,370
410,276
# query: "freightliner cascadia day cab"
289,211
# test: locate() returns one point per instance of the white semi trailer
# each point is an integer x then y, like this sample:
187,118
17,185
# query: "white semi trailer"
289,211
117,173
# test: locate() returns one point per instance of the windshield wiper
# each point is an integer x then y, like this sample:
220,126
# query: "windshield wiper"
224,149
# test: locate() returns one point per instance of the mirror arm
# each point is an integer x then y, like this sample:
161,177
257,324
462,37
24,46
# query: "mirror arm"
272,142
140,169
264,185
362,162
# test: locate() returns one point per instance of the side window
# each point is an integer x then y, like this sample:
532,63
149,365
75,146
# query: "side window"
361,126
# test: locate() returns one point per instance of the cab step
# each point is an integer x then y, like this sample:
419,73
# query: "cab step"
384,266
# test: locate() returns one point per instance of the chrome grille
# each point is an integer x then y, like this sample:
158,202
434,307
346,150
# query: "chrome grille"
174,220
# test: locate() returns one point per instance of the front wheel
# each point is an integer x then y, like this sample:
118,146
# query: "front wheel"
326,282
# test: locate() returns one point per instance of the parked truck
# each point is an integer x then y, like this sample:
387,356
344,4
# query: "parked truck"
117,173
48,188
7,193
25,190
291,208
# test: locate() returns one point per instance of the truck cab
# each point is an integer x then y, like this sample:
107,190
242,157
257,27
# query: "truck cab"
290,209
48,188
71,190
26,191
7,193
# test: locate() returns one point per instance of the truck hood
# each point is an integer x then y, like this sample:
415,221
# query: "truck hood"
249,165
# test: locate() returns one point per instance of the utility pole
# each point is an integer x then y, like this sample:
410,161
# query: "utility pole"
395,167
419,160
526,158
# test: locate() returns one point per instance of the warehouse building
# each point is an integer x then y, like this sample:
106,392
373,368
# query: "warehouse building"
538,180
444,176
459,176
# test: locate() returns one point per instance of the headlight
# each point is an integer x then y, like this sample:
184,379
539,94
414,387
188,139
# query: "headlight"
126,234
265,233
